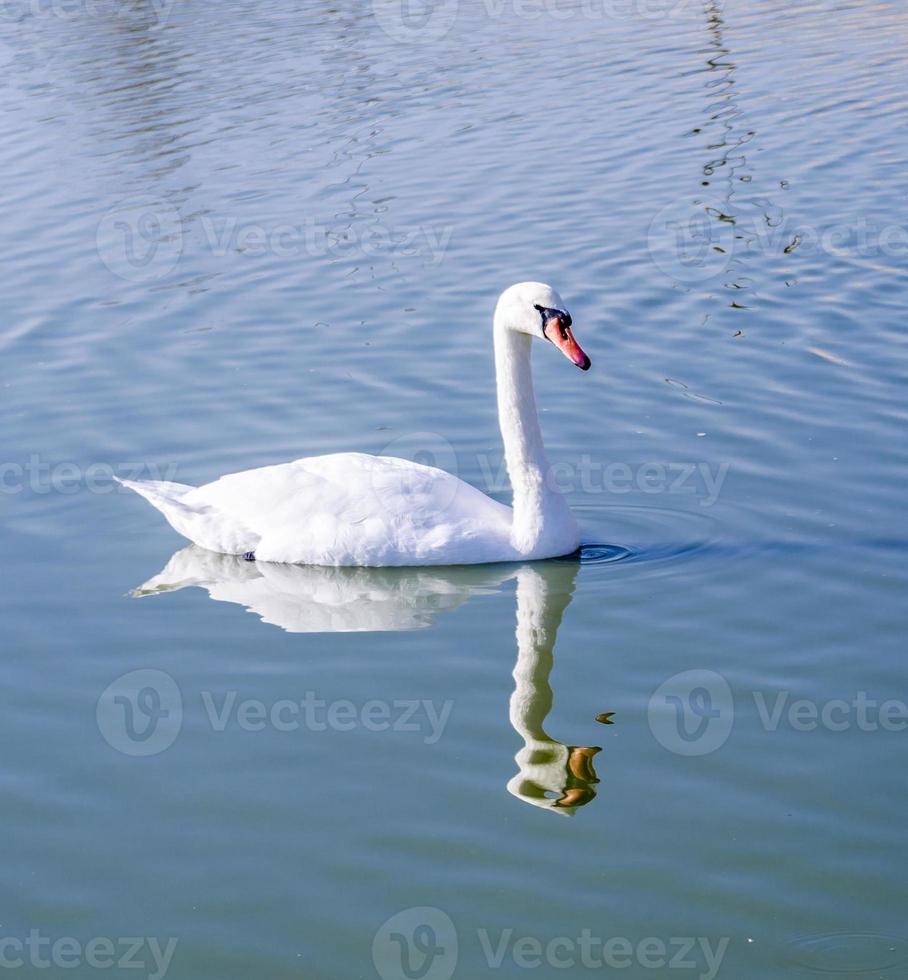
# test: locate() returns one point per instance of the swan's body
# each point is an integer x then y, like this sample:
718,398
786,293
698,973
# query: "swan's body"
350,509
356,509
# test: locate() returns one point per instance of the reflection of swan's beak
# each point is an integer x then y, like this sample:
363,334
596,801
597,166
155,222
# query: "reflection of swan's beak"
581,777
574,797
580,763
555,776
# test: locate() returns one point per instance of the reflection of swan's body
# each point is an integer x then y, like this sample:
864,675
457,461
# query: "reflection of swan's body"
354,509
311,599
315,599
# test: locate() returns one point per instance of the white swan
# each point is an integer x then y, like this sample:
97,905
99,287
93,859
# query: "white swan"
355,509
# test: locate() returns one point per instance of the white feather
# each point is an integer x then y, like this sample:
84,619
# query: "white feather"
356,509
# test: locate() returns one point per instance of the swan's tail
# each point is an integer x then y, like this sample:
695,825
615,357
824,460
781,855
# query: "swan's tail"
159,493
201,523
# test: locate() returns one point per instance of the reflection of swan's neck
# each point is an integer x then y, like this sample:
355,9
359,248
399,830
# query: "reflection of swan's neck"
535,503
536,631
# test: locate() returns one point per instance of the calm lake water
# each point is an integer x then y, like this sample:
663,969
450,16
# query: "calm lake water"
238,233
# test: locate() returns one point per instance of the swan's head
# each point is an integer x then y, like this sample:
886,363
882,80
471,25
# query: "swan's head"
536,309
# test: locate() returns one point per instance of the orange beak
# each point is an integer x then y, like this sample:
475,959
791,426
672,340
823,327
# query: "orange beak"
558,330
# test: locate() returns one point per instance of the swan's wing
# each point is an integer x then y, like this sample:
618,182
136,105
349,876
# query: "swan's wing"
355,509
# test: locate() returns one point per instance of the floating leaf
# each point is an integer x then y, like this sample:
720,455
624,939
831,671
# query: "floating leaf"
827,356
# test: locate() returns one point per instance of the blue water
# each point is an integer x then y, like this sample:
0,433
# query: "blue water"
238,233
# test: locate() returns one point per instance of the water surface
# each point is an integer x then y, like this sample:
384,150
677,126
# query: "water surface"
239,233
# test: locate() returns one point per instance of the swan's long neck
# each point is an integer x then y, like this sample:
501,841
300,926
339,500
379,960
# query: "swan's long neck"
535,502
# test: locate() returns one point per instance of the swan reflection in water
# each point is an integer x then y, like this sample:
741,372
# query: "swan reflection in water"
551,774
315,599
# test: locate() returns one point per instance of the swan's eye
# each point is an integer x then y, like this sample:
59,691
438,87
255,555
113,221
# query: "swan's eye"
550,317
